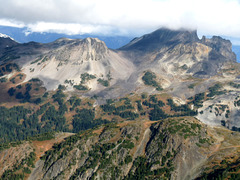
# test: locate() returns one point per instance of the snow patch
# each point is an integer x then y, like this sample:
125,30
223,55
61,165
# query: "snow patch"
6,36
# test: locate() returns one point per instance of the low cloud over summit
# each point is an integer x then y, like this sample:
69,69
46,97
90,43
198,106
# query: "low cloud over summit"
108,17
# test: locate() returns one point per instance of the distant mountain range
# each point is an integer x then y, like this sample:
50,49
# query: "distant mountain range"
113,42
21,35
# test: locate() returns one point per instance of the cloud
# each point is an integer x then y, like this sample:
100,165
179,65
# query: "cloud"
123,17
6,22
70,28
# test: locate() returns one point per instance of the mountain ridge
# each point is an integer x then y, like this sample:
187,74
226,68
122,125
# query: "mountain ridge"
163,106
162,37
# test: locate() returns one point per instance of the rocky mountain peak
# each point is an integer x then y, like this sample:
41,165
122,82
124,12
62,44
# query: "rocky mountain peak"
78,50
95,43
5,36
92,49
220,45
6,41
161,38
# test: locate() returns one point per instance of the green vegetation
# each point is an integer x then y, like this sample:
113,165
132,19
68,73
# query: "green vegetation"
19,170
109,76
187,129
139,105
144,95
149,79
122,111
86,77
142,170
184,67
80,87
103,82
156,114
8,68
191,86
42,137
41,59
74,102
11,91
9,144
235,85
35,80
215,90
37,60
226,170
184,109
26,97
84,119
19,123
3,80
71,82
197,100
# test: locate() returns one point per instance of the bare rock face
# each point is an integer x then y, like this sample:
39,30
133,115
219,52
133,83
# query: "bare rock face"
220,45
77,51
65,60
178,48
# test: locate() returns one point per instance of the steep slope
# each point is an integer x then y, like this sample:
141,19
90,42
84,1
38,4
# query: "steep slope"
17,161
69,61
180,51
161,38
6,41
66,60
173,148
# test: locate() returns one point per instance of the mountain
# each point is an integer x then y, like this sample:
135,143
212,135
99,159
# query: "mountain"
181,48
174,52
161,38
65,60
22,35
165,105
6,41
176,148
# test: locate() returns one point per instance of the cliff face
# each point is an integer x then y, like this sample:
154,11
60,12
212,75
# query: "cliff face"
220,45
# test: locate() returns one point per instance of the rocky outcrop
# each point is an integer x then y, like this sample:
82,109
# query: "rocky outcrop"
174,148
220,45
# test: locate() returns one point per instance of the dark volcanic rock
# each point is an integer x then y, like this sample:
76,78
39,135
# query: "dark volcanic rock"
7,42
221,46
161,38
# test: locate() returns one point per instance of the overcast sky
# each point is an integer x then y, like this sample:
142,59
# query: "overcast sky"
122,17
